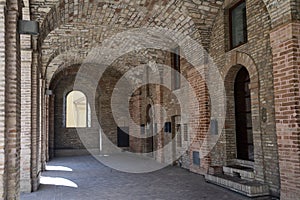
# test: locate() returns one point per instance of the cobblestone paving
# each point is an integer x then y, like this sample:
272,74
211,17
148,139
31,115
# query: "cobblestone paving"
85,178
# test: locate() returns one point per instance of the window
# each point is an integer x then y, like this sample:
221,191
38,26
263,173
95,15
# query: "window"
175,64
238,24
77,110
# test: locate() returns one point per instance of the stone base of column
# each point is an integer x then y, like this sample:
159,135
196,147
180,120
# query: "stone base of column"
35,183
25,185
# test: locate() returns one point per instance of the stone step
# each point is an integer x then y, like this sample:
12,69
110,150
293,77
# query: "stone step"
239,171
245,187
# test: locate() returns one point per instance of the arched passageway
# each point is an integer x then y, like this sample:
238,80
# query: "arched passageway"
40,64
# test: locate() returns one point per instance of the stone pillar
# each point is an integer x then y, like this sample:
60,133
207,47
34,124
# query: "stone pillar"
285,42
10,90
34,121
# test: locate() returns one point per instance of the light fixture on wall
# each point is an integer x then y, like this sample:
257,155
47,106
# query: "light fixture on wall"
28,27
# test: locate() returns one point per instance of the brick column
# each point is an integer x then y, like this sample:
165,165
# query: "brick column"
160,121
26,53
2,106
51,125
47,127
199,120
42,123
10,101
26,58
285,42
34,122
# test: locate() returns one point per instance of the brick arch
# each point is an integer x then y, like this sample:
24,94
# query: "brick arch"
77,13
57,114
71,69
77,44
62,72
240,58
152,11
234,64
60,62
204,20
54,22
65,40
74,13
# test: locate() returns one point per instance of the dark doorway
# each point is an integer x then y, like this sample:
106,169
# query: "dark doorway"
243,117
123,136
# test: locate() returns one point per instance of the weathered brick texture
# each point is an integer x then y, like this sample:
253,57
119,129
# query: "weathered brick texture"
2,106
10,109
26,115
32,125
26,53
35,121
256,56
285,43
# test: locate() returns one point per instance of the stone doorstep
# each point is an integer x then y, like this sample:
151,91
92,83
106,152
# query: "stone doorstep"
212,170
245,187
240,171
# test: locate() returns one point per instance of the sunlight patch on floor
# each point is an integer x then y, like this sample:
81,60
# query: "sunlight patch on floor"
58,168
57,181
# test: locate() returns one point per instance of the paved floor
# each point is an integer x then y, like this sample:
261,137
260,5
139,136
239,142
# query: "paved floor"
85,178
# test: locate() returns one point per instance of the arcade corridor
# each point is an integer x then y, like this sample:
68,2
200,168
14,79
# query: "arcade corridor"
84,178
200,90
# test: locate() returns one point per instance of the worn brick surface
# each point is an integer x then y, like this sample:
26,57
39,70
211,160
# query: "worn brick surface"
32,124
285,42
256,56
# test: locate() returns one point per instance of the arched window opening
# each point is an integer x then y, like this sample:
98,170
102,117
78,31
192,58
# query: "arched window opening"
77,110
243,116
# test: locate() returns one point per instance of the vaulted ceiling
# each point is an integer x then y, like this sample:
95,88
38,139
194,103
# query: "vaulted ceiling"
71,28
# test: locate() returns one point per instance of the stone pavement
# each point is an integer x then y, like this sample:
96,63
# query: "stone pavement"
85,178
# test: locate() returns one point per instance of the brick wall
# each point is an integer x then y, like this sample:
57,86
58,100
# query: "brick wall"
258,50
199,121
68,140
285,42
11,112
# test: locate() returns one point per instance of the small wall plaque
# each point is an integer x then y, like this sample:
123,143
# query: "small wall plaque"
28,27
214,127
